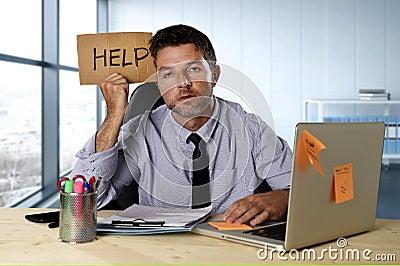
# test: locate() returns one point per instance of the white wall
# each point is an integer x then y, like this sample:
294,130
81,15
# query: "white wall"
292,49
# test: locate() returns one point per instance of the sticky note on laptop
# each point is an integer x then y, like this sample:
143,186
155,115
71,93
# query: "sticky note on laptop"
308,148
229,226
343,183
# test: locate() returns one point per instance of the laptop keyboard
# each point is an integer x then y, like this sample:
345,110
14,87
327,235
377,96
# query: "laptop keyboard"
275,232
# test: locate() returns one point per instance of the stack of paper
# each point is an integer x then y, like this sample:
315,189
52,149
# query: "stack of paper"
139,219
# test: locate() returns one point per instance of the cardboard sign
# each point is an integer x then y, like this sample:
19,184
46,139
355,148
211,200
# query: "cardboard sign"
126,53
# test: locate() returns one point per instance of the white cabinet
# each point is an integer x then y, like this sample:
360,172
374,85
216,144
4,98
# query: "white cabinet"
387,111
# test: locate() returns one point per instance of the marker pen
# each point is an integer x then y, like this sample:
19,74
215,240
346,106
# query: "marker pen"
92,182
98,181
87,188
78,187
69,186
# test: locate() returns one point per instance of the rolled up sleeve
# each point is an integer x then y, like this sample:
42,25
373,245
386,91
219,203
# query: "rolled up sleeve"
90,163
102,164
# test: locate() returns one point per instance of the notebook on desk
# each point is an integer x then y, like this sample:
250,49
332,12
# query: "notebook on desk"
317,210
144,220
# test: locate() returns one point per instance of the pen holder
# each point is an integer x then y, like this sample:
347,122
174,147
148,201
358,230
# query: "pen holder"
78,217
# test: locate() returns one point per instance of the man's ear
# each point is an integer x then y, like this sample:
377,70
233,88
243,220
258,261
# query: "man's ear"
215,75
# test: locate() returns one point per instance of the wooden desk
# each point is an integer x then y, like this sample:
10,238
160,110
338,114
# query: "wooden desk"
24,242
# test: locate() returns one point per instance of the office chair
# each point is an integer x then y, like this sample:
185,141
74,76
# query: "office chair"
146,97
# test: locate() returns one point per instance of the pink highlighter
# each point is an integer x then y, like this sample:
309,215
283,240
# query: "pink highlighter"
79,201
79,186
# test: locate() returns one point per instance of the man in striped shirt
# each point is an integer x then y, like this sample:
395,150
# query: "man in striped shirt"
242,150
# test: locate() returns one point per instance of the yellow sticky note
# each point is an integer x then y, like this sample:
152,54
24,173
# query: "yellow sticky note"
307,152
343,183
229,226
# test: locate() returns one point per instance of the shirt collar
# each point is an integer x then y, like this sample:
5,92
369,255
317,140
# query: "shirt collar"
205,132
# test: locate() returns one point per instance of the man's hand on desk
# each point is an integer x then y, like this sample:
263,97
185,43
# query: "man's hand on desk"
258,207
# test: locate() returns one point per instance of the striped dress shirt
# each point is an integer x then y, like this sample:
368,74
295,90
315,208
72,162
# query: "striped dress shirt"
152,149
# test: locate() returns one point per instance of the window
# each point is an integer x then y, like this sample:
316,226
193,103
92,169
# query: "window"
77,117
43,109
20,132
21,28
76,17
77,103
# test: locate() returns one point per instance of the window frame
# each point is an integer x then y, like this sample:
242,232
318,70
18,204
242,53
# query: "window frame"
51,67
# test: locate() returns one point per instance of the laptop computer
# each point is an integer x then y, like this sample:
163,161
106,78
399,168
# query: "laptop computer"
314,216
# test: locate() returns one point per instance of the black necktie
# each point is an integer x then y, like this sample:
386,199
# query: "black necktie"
201,178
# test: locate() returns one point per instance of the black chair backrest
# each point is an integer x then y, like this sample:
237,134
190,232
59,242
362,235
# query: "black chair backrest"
145,97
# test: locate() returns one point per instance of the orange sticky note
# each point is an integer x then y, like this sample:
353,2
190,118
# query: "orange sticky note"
229,226
343,182
307,152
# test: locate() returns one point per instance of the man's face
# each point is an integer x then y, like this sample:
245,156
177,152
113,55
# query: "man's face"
184,79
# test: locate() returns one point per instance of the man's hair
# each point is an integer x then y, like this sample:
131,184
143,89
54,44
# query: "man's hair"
182,34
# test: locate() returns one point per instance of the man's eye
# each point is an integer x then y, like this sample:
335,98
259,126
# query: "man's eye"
194,69
167,75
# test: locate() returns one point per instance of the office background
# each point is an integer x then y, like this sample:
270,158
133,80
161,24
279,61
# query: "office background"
292,50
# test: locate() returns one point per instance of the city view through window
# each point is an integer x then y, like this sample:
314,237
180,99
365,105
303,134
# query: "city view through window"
21,98
20,133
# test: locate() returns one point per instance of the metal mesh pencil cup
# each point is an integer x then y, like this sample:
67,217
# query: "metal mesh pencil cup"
78,217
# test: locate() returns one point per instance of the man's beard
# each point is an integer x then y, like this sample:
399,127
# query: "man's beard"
186,108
